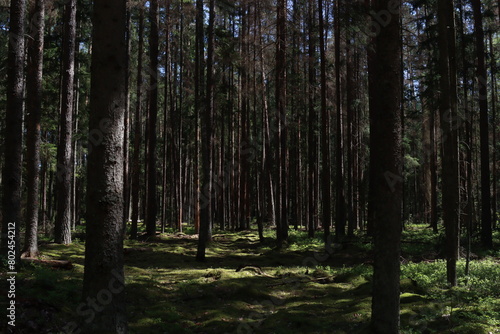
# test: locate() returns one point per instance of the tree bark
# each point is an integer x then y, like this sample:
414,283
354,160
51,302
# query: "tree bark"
152,120
33,117
205,235
62,228
494,93
449,136
103,278
198,88
12,169
280,96
325,133
136,169
312,120
340,202
126,138
482,79
386,167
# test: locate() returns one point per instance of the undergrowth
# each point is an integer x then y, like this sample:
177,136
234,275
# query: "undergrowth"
277,291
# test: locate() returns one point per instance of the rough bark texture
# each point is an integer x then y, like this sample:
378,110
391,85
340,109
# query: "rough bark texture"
386,170
11,176
103,278
62,228
34,113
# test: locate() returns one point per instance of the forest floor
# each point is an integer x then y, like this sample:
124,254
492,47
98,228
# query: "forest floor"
250,287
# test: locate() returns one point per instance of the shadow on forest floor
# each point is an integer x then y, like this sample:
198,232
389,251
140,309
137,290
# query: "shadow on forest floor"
250,287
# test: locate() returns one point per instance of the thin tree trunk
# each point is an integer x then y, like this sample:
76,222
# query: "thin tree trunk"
63,180
207,144
136,169
312,117
482,79
340,202
126,138
351,137
325,133
494,171
199,78
152,120
280,96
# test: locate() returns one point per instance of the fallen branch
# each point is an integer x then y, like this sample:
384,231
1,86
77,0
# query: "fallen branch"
254,268
55,264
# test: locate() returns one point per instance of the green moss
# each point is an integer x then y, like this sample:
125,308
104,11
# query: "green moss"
168,291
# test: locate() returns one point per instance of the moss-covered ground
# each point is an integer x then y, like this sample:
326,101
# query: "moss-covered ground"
298,289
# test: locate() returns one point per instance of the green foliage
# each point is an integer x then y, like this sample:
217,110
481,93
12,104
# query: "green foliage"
473,305
167,291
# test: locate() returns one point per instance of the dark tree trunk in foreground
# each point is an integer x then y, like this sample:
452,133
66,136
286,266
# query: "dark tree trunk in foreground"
152,120
103,278
482,79
386,170
62,228
205,235
34,113
12,169
449,137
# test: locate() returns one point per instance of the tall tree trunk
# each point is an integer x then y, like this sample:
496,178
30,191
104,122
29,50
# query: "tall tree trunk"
312,120
482,79
103,278
167,128
126,138
325,133
340,203
198,88
207,143
494,93
63,180
12,169
351,137
152,120
34,113
282,155
136,169
386,169
449,137
372,84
